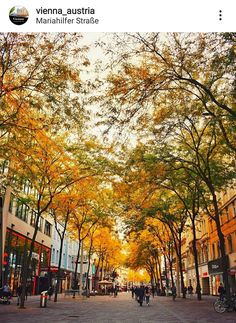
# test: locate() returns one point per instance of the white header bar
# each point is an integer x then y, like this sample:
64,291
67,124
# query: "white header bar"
121,15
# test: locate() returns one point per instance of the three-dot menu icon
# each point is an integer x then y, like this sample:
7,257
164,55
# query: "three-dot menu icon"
220,14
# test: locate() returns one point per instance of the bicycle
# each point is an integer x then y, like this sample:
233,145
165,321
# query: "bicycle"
223,305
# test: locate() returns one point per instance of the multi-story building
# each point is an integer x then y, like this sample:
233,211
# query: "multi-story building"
17,227
17,230
227,202
209,256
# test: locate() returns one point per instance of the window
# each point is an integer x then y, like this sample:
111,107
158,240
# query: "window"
47,228
4,167
218,249
211,227
213,252
230,244
40,224
221,218
53,255
33,218
26,187
22,211
11,203
227,213
64,260
234,207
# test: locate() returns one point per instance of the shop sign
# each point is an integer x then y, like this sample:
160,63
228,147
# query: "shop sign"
216,266
53,269
205,274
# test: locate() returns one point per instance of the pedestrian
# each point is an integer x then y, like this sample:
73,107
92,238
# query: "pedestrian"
221,291
173,291
132,291
163,291
190,290
153,291
140,294
147,295
50,292
18,293
116,290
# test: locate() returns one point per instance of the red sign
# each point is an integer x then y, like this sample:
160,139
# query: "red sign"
205,274
53,269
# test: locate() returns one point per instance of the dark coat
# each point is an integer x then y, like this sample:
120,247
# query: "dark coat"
140,292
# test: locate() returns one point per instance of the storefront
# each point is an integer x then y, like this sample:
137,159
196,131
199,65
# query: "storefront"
232,272
215,269
16,251
205,279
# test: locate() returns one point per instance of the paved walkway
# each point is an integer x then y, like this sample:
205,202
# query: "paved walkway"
123,309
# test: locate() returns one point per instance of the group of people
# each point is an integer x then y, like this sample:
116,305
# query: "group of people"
142,293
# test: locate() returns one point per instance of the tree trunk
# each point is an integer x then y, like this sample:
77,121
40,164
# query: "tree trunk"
181,269
81,268
60,255
76,265
89,263
222,246
195,254
26,265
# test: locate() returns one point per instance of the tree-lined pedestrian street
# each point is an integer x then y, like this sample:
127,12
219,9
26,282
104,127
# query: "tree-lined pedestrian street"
122,309
117,175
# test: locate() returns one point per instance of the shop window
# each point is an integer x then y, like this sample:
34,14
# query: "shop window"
48,228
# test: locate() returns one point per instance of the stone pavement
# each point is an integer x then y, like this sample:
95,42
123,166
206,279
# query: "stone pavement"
122,309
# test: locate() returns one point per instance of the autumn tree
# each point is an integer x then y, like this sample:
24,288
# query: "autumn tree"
44,76
154,70
47,170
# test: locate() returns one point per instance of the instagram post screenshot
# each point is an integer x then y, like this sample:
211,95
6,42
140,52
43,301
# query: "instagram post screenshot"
117,161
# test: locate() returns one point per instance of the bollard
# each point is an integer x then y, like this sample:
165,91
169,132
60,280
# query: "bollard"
43,299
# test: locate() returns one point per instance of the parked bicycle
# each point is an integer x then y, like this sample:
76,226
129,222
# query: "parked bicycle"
223,305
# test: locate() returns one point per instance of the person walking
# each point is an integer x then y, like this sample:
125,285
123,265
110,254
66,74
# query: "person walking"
221,291
147,295
50,292
153,291
140,294
190,290
18,294
132,291
173,291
